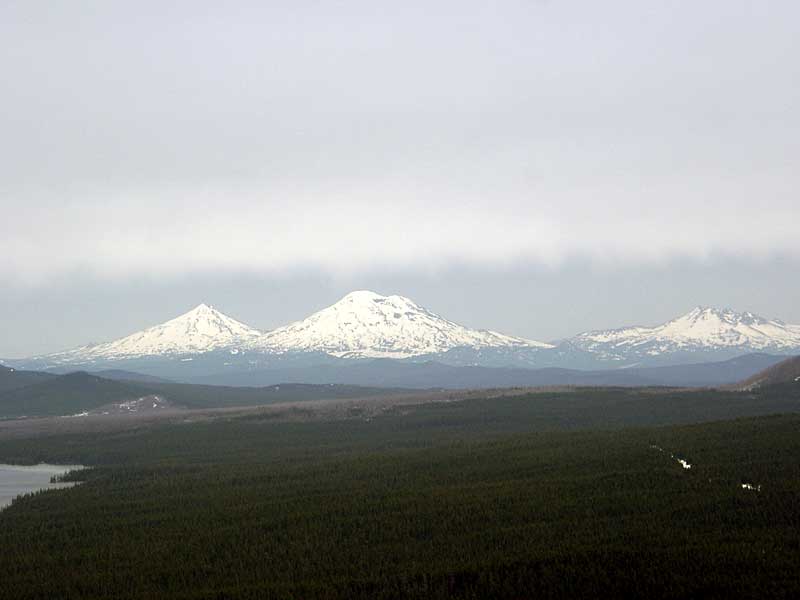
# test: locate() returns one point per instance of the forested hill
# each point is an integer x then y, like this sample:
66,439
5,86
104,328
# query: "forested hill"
80,392
785,372
11,379
65,395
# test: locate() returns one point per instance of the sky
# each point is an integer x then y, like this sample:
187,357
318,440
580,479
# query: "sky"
539,168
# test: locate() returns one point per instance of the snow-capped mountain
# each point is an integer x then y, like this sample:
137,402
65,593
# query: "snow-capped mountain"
200,330
364,324
702,330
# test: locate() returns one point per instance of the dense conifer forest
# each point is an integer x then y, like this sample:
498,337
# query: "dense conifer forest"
470,499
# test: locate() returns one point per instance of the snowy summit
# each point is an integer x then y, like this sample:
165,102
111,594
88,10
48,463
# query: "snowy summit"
202,329
364,324
701,329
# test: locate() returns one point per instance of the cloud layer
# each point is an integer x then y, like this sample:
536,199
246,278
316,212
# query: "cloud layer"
193,138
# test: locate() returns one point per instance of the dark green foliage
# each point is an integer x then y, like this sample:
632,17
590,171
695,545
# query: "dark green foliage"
464,500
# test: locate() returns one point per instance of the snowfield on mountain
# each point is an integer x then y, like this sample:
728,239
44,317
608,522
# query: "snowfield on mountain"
200,330
701,329
364,324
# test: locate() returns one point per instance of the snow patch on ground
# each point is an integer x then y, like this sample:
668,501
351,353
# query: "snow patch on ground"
745,485
142,403
146,403
682,462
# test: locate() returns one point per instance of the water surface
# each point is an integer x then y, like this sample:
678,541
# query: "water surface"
16,480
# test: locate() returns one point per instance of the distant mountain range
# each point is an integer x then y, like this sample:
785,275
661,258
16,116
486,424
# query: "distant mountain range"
387,373
361,325
365,326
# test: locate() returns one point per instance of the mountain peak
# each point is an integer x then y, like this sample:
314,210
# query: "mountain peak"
362,296
199,330
701,329
200,310
369,325
367,298
723,315
702,310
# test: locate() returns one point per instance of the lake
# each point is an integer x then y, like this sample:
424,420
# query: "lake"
16,480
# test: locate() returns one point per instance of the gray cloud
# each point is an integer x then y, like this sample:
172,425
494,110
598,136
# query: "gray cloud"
146,139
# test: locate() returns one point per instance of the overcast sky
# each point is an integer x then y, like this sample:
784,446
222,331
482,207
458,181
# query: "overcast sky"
534,167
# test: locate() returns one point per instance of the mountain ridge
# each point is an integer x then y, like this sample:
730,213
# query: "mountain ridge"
364,325
433,374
